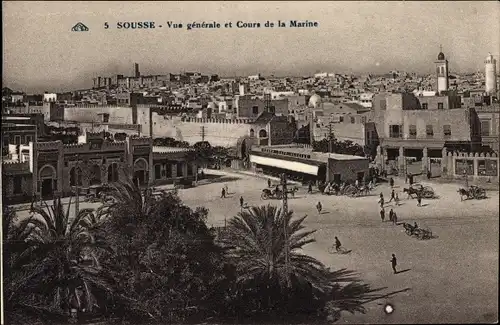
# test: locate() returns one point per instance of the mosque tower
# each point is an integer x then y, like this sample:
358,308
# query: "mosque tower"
490,75
442,72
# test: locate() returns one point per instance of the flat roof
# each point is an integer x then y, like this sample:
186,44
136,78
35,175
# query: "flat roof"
305,153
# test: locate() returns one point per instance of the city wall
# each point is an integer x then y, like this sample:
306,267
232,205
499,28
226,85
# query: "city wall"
90,113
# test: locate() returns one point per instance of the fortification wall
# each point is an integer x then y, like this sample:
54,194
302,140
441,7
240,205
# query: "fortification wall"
89,113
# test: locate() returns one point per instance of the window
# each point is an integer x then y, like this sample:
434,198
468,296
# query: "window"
395,131
341,119
255,110
425,106
447,130
353,120
485,128
440,106
272,109
413,131
429,131
28,139
17,139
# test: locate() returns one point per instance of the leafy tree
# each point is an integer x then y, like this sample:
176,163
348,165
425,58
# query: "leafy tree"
121,136
263,290
53,266
162,251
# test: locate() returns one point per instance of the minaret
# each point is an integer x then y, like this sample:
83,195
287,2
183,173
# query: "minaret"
442,72
490,75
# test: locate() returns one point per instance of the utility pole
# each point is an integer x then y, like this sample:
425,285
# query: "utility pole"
202,133
329,137
77,189
285,229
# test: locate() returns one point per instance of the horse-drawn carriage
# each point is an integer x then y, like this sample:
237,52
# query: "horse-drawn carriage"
473,192
417,189
277,193
417,232
98,193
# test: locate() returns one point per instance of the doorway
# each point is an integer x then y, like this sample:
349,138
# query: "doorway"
337,178
361,176
47,187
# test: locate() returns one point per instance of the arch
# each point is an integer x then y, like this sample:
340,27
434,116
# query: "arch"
141,171
47,171
140,164
75,176
94,175
113,172
252,133
262,133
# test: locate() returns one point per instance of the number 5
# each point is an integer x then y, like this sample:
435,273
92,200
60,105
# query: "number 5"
106,26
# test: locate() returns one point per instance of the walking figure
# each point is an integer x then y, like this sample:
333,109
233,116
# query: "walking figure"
382,214
223,195
269,182
419,200
397,199
429,174
310,188
226,188
319,207
393,196
381,201
394,218
394,263
391,182
337,244
241,201
391,215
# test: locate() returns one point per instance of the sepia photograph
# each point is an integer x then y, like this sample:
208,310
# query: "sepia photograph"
247,162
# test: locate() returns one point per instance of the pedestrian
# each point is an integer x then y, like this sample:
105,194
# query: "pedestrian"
241,201
397,199
411,179
391,182
419,200
337,244
223,194
391,215
356,183
269,184
394,218
381,201
382,214
319,207
310,188
429,174
406,178
393,196
394,263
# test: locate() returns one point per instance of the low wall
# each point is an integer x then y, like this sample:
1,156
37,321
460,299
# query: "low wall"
478,166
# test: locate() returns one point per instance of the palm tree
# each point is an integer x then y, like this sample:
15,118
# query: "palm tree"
258,240
65,253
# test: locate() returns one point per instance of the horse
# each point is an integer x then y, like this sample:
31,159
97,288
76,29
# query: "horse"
409,229
411,192
463,192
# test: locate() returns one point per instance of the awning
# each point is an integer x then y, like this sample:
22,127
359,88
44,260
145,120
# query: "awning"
285,164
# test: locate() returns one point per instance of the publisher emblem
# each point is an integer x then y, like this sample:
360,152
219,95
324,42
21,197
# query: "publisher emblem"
80,27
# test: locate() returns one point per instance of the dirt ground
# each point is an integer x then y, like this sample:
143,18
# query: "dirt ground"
451,278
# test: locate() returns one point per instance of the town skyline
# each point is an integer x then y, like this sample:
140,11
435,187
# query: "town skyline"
353,38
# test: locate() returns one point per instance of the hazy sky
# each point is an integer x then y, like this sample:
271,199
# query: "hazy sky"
40,52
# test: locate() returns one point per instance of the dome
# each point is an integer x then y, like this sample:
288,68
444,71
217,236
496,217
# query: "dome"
314,101
441,56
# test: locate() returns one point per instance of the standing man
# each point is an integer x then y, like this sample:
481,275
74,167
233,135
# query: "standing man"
381,201
269,182
391,182
391,215
397,199
241,201
223,194
419,200
394,218
382,214
310,188
319,207
394,263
